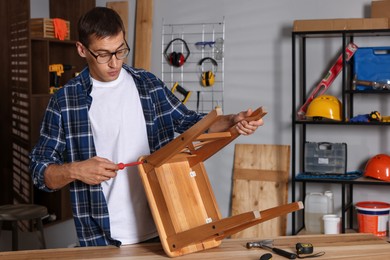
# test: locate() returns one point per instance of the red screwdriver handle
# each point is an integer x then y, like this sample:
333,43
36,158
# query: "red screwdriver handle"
123,165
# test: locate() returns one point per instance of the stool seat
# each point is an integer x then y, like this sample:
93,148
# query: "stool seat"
18,212
22,212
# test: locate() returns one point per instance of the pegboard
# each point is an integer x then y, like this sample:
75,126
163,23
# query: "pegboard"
203,40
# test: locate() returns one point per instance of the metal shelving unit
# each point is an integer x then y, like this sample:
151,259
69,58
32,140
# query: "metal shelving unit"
300,127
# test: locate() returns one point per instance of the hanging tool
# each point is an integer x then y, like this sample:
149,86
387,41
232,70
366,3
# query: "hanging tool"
123,165
197,101
267,244
329,78
181,90
56,71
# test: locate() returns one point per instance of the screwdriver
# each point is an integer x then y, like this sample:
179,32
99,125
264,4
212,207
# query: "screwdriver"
123,165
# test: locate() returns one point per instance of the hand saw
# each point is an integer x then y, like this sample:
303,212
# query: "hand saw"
332,74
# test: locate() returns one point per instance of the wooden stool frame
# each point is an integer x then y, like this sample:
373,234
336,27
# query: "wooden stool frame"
181,198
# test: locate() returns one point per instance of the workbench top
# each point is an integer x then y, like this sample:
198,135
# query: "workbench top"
343,246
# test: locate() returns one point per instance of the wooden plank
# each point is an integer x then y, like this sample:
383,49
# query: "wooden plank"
143,34
341,246
163,155
207,150
260,175
260,181
266,215
122,8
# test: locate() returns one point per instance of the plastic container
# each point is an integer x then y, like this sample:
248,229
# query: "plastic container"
329,194
332,224
373,217
316,206
325,158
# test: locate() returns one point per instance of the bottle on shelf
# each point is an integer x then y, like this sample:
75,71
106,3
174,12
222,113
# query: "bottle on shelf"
317,205
329,194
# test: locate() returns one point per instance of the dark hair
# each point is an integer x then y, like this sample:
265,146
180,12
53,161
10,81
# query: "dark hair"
99,22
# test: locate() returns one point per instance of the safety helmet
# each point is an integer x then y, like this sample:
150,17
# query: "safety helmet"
378,167
324,106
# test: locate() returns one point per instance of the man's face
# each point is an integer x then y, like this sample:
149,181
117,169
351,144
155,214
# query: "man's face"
104,72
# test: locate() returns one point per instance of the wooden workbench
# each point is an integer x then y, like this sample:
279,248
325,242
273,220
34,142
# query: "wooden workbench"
344,246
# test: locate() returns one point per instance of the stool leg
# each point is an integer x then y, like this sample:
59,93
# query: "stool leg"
41,235
15,238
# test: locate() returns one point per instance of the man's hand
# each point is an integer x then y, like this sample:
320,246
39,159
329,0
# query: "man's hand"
244,127
92,171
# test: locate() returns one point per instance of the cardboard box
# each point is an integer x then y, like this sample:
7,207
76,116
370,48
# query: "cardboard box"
380,9
44,27
341,24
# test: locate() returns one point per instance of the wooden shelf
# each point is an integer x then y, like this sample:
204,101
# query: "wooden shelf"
28,88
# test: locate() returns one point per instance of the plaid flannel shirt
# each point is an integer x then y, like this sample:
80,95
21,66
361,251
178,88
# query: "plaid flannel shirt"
66,136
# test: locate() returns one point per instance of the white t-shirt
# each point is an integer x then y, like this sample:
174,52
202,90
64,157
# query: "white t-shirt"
119,131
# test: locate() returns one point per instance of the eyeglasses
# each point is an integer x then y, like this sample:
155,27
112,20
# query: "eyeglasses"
105,57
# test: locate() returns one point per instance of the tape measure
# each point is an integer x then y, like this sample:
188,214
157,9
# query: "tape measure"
304,248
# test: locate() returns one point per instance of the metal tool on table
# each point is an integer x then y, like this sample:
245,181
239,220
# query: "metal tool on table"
268,244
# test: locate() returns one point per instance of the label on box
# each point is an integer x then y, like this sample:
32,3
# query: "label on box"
323,161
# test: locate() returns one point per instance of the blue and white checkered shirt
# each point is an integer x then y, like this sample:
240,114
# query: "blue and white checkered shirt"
66,136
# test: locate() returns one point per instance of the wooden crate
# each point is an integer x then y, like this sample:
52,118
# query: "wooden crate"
44,27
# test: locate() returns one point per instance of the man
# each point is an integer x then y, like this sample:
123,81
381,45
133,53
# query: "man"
110,113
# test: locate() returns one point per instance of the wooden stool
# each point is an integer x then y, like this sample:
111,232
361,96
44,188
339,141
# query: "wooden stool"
17,212
180,195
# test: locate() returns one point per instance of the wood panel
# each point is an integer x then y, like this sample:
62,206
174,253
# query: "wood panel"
143,34
122,8
260,181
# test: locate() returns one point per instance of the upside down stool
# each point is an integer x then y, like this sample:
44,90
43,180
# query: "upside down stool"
18,212
180,195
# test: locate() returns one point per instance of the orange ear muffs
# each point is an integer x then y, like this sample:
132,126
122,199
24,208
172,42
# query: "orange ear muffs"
208,77
176,59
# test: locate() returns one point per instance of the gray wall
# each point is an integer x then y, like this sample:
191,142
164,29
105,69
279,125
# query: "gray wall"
258,73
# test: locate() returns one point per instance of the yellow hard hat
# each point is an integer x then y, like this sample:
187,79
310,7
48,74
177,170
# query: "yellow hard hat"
324,106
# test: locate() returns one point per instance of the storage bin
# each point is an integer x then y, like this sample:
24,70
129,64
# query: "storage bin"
44,27
372,64
325,158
